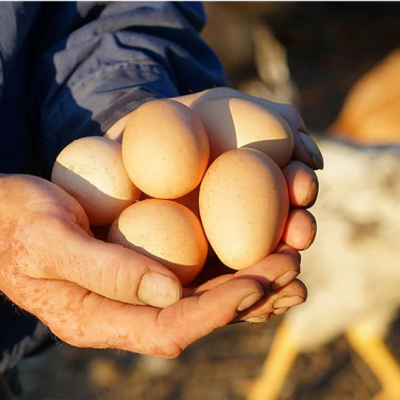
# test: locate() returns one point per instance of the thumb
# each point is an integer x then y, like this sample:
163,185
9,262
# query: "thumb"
109,270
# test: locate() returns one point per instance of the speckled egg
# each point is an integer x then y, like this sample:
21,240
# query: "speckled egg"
92,171
243,206
165,149
165,231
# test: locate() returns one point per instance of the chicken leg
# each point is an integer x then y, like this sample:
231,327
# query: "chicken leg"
375,353
276,366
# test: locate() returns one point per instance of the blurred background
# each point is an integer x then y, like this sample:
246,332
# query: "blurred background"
305,53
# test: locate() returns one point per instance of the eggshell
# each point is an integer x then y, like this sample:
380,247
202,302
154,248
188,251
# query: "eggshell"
243,206
166,231
190,201
237,122
92,171
165,149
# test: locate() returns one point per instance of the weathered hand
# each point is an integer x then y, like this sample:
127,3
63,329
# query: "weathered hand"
96,294
299,173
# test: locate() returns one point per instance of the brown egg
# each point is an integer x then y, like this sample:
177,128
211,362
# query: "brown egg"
92,171
165,231
165,149
237,122
243,206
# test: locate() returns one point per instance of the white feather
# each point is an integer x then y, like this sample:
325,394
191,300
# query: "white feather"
352,270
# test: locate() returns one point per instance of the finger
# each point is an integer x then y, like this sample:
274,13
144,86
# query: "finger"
305,149
104,268
85,319
283,248
272,272
300,230
302,184
277,303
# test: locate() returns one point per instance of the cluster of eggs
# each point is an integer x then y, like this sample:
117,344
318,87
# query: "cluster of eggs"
187,182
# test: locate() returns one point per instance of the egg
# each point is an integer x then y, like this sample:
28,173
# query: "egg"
237,122
244,206
165,149
165,231
91,170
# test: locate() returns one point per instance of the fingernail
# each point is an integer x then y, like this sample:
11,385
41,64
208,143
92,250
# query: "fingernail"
311,195
288,301
312,235
312,149
249,301
284,279
158,290
257,320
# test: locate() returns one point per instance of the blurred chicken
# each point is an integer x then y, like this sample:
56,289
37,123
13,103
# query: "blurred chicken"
352,271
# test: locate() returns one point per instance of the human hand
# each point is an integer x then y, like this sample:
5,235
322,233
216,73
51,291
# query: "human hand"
96,294
300,177
300,228
277,272
299,173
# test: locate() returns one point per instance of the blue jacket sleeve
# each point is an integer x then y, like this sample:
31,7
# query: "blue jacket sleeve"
106,59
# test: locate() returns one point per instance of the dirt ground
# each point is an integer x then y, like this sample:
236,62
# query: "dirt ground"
329,45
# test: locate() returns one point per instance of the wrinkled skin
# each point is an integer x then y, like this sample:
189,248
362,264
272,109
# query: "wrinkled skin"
96,294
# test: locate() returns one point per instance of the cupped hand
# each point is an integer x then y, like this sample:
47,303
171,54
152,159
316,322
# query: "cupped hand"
96,294
300,229
284,291
301,179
